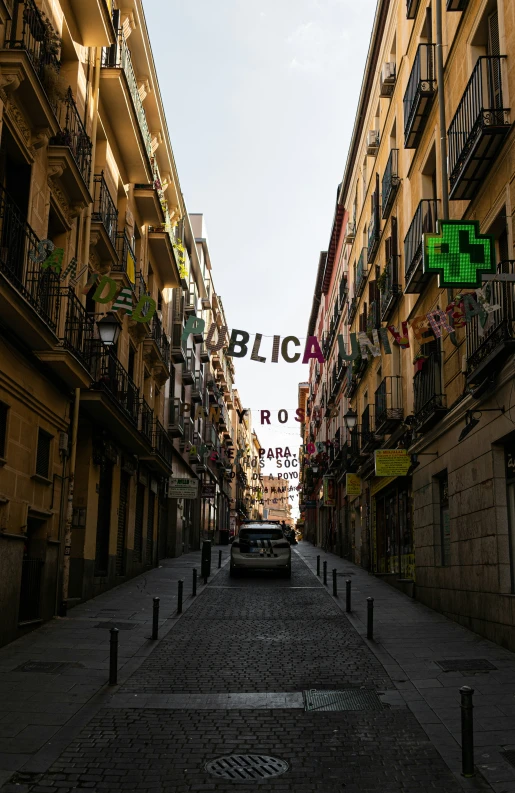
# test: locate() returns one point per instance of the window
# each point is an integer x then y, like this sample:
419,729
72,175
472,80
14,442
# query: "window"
445,520
4,409
43,454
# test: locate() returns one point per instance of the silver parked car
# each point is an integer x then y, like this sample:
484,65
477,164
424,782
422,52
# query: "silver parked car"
261,545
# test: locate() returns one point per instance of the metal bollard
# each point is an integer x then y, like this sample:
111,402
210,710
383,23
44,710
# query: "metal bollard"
113,657
155,619
325,573
335,583
318,566
348,585
194,587
179,597
370,618
219,559
467,732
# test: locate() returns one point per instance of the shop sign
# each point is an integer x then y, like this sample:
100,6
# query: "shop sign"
353,484
183,488
392,462
209,490
329,492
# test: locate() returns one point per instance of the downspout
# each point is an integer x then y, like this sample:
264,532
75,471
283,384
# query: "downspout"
76,405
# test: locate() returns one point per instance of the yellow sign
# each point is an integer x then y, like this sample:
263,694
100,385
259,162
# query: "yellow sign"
131,268
353,484
392,462
329,492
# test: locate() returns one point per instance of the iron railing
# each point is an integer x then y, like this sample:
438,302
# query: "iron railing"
161,339
161,443
374,229
480,109
79,329
146,420
28,31
18,242
176,417
427,388
352,310
73,134
126,257
118,56
420,90
490,332
424,221
114,379
388,403
361,272
390,182
392,289
179,346
104,208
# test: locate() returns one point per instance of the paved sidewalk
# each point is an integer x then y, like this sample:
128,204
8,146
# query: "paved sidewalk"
409,639
40,711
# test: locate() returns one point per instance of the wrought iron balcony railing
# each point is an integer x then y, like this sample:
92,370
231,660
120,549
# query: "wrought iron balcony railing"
424,221
114,379
79,329
197,388
374,229
390,183
179,347
478,128
73,134
39,287
104,209
429,400
361,272
161,443
391,289
176,418
146,420
353,308
388,404
419,95
491,337
28,31
126,257
118,56
161,339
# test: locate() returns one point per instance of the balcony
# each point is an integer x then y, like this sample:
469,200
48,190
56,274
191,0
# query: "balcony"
429,399
352,310
160,458
122,105
412,8
156,350
70,152
390,183
424,221
197,389
72,358
29,63
176,418
104,222
374,229
419,95
29,295
390,288
355,445
223,422
147,199
489,347
124,269
204,353
478,129
191,303
113,400
361,272
188,369
350,382
369,440
373,318
388,405
179,346
164,260
94,22
206,301
187,437
146,420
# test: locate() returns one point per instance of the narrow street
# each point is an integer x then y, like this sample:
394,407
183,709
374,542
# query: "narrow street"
231,676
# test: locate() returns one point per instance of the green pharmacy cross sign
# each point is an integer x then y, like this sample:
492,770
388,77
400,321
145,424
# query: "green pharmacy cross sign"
458,253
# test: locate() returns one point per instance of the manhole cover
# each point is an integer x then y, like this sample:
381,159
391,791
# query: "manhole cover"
246,767
349,699
122,626
509,755
47,667
466,665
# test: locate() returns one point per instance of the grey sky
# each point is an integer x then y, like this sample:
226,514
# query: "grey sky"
260,99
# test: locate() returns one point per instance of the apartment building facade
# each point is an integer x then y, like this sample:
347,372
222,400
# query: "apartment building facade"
441,528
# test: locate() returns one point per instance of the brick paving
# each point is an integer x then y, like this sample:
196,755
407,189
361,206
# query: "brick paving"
246,636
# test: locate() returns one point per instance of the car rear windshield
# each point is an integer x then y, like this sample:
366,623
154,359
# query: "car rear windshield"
261,534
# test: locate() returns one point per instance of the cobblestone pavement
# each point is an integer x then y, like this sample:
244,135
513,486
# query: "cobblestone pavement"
174,712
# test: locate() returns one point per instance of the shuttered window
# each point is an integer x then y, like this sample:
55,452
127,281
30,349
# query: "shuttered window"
4,409
43,454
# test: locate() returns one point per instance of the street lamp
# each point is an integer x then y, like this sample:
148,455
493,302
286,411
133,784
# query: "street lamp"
109,329
350,419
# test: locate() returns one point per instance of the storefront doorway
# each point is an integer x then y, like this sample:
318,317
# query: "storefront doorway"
394,530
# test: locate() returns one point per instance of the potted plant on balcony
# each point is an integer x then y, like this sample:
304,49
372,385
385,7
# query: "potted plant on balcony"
419,361
383,279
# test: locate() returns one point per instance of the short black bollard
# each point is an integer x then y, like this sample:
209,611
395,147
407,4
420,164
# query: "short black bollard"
348,585
325,573
113,657
194,587
335,583
318,566
219,559
467,732
155,619
179,597
205,569
370,618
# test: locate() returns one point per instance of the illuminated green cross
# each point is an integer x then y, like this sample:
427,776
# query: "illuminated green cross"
458,253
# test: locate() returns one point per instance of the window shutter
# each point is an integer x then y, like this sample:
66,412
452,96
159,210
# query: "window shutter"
493,34
43,454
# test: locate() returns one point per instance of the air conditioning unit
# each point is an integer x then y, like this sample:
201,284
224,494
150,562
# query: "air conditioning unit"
350,232
387,84
372,141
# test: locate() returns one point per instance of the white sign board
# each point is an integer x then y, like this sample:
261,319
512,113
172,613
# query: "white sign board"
183,488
